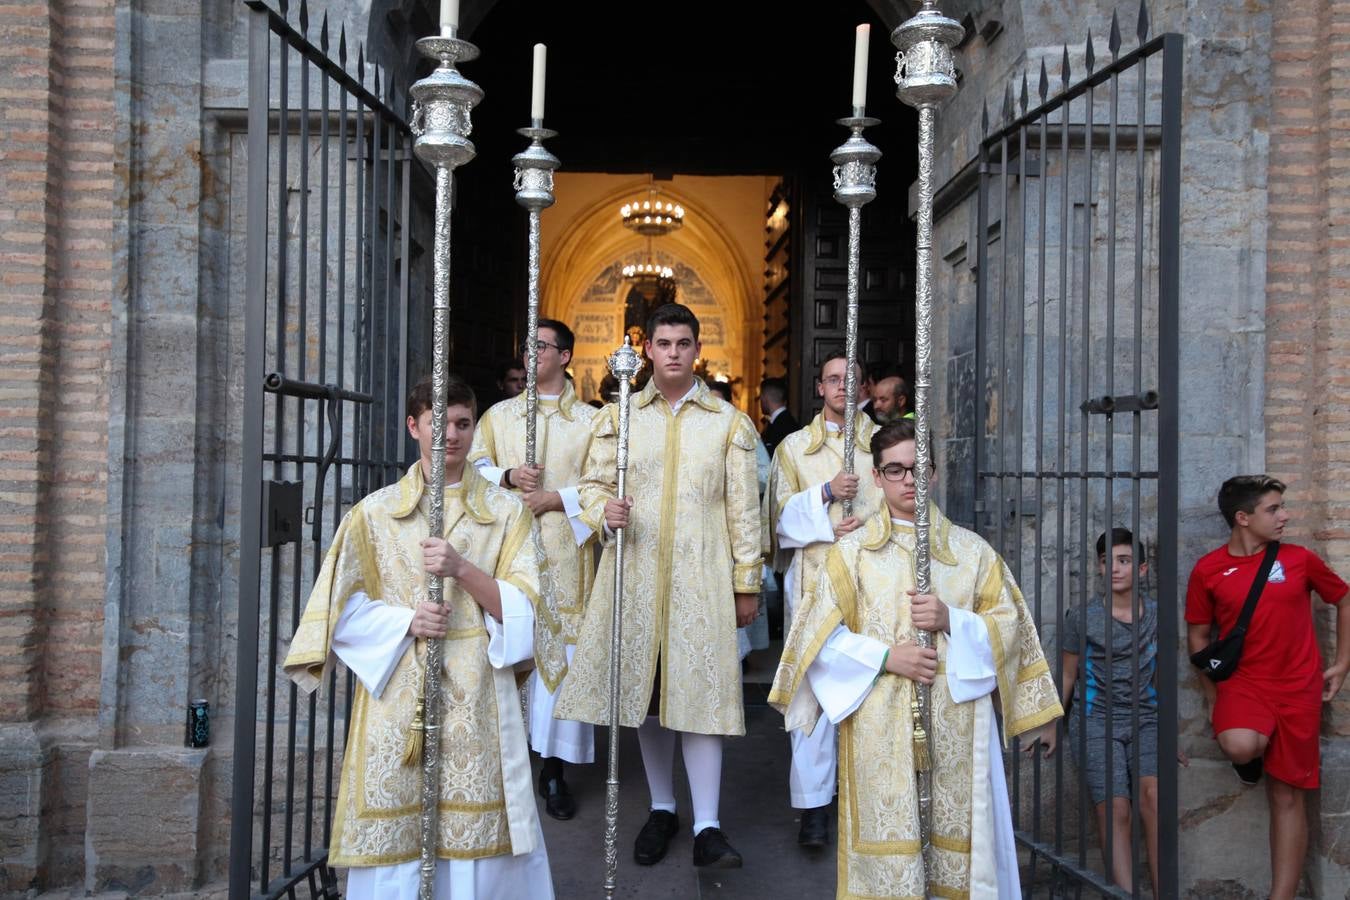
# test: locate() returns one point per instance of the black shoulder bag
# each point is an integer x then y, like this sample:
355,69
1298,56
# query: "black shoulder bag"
1220,659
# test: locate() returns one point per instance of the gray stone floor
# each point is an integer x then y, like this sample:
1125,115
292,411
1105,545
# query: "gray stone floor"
755,814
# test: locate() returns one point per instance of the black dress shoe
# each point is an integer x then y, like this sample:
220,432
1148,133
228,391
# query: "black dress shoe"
815,831
558,801
713,851
654,838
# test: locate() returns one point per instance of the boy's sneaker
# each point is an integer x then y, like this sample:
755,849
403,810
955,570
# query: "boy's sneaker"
1249,773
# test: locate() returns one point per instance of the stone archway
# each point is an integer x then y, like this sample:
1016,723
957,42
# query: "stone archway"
585,245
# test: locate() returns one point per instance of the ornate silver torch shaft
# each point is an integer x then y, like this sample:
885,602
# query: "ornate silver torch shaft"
855,185
442,103
925,77
534,191
623,365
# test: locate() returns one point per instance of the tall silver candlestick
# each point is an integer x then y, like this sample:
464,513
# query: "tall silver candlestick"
925,77
855,185
623,365
442,103
534,191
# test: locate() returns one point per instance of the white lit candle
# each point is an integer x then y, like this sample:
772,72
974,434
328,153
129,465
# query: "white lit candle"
860,66
537,91
449,17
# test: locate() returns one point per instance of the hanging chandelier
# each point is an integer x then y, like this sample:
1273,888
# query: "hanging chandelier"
648,271
653,280
651,216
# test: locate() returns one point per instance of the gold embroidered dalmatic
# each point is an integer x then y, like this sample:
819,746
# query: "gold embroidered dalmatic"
863,585
805,458
693,541
487,803
563,433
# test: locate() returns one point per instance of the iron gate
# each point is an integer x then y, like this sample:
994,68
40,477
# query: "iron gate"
1076,401
331,267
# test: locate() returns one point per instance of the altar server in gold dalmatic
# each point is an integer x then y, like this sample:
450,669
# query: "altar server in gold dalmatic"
368,609
804,516
550,490
851,656
692,569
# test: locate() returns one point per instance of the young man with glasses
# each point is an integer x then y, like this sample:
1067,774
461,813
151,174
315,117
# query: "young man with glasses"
692,571
852,656
550,491
803,508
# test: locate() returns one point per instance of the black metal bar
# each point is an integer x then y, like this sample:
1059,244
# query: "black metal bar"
1085,428
276,383
1039,587
375,426
1001,335
325,97
389,435
251,465
1169,356
297,562
405,276
1061,565
361,484
278,433
374,433
339,433
1136,426
981,331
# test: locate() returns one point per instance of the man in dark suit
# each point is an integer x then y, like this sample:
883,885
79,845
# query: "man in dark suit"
778,422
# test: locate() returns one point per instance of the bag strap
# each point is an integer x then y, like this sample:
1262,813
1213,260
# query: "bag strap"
1258,585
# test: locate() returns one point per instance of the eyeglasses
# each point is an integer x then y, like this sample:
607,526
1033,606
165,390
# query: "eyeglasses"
540,346
833,381
897,471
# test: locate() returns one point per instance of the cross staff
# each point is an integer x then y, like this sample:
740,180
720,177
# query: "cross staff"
534,191
925,77
442,103
623,365
855,175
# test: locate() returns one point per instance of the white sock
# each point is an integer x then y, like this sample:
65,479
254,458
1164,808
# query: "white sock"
703,765
658,761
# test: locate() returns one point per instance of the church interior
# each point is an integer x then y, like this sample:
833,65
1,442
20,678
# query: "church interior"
737,138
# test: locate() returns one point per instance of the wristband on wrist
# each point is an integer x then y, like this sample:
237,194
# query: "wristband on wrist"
506,478
884,658
829,493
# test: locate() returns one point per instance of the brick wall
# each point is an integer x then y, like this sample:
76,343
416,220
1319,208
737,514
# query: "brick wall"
56,227
1308,318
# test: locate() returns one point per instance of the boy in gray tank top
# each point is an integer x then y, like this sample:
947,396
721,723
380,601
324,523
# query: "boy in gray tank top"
1099,645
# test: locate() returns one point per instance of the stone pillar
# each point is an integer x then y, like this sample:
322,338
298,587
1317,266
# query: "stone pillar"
139,840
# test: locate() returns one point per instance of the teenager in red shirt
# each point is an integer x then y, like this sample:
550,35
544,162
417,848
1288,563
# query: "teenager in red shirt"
1270,709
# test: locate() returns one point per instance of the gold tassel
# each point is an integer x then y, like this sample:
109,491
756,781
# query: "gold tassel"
412,754
922,759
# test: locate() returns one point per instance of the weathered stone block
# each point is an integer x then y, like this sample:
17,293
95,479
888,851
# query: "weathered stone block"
24,764
140,840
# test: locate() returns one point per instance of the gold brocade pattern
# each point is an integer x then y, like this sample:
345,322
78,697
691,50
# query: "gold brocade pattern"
692,542
562,435
377,550
866,576
803,459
